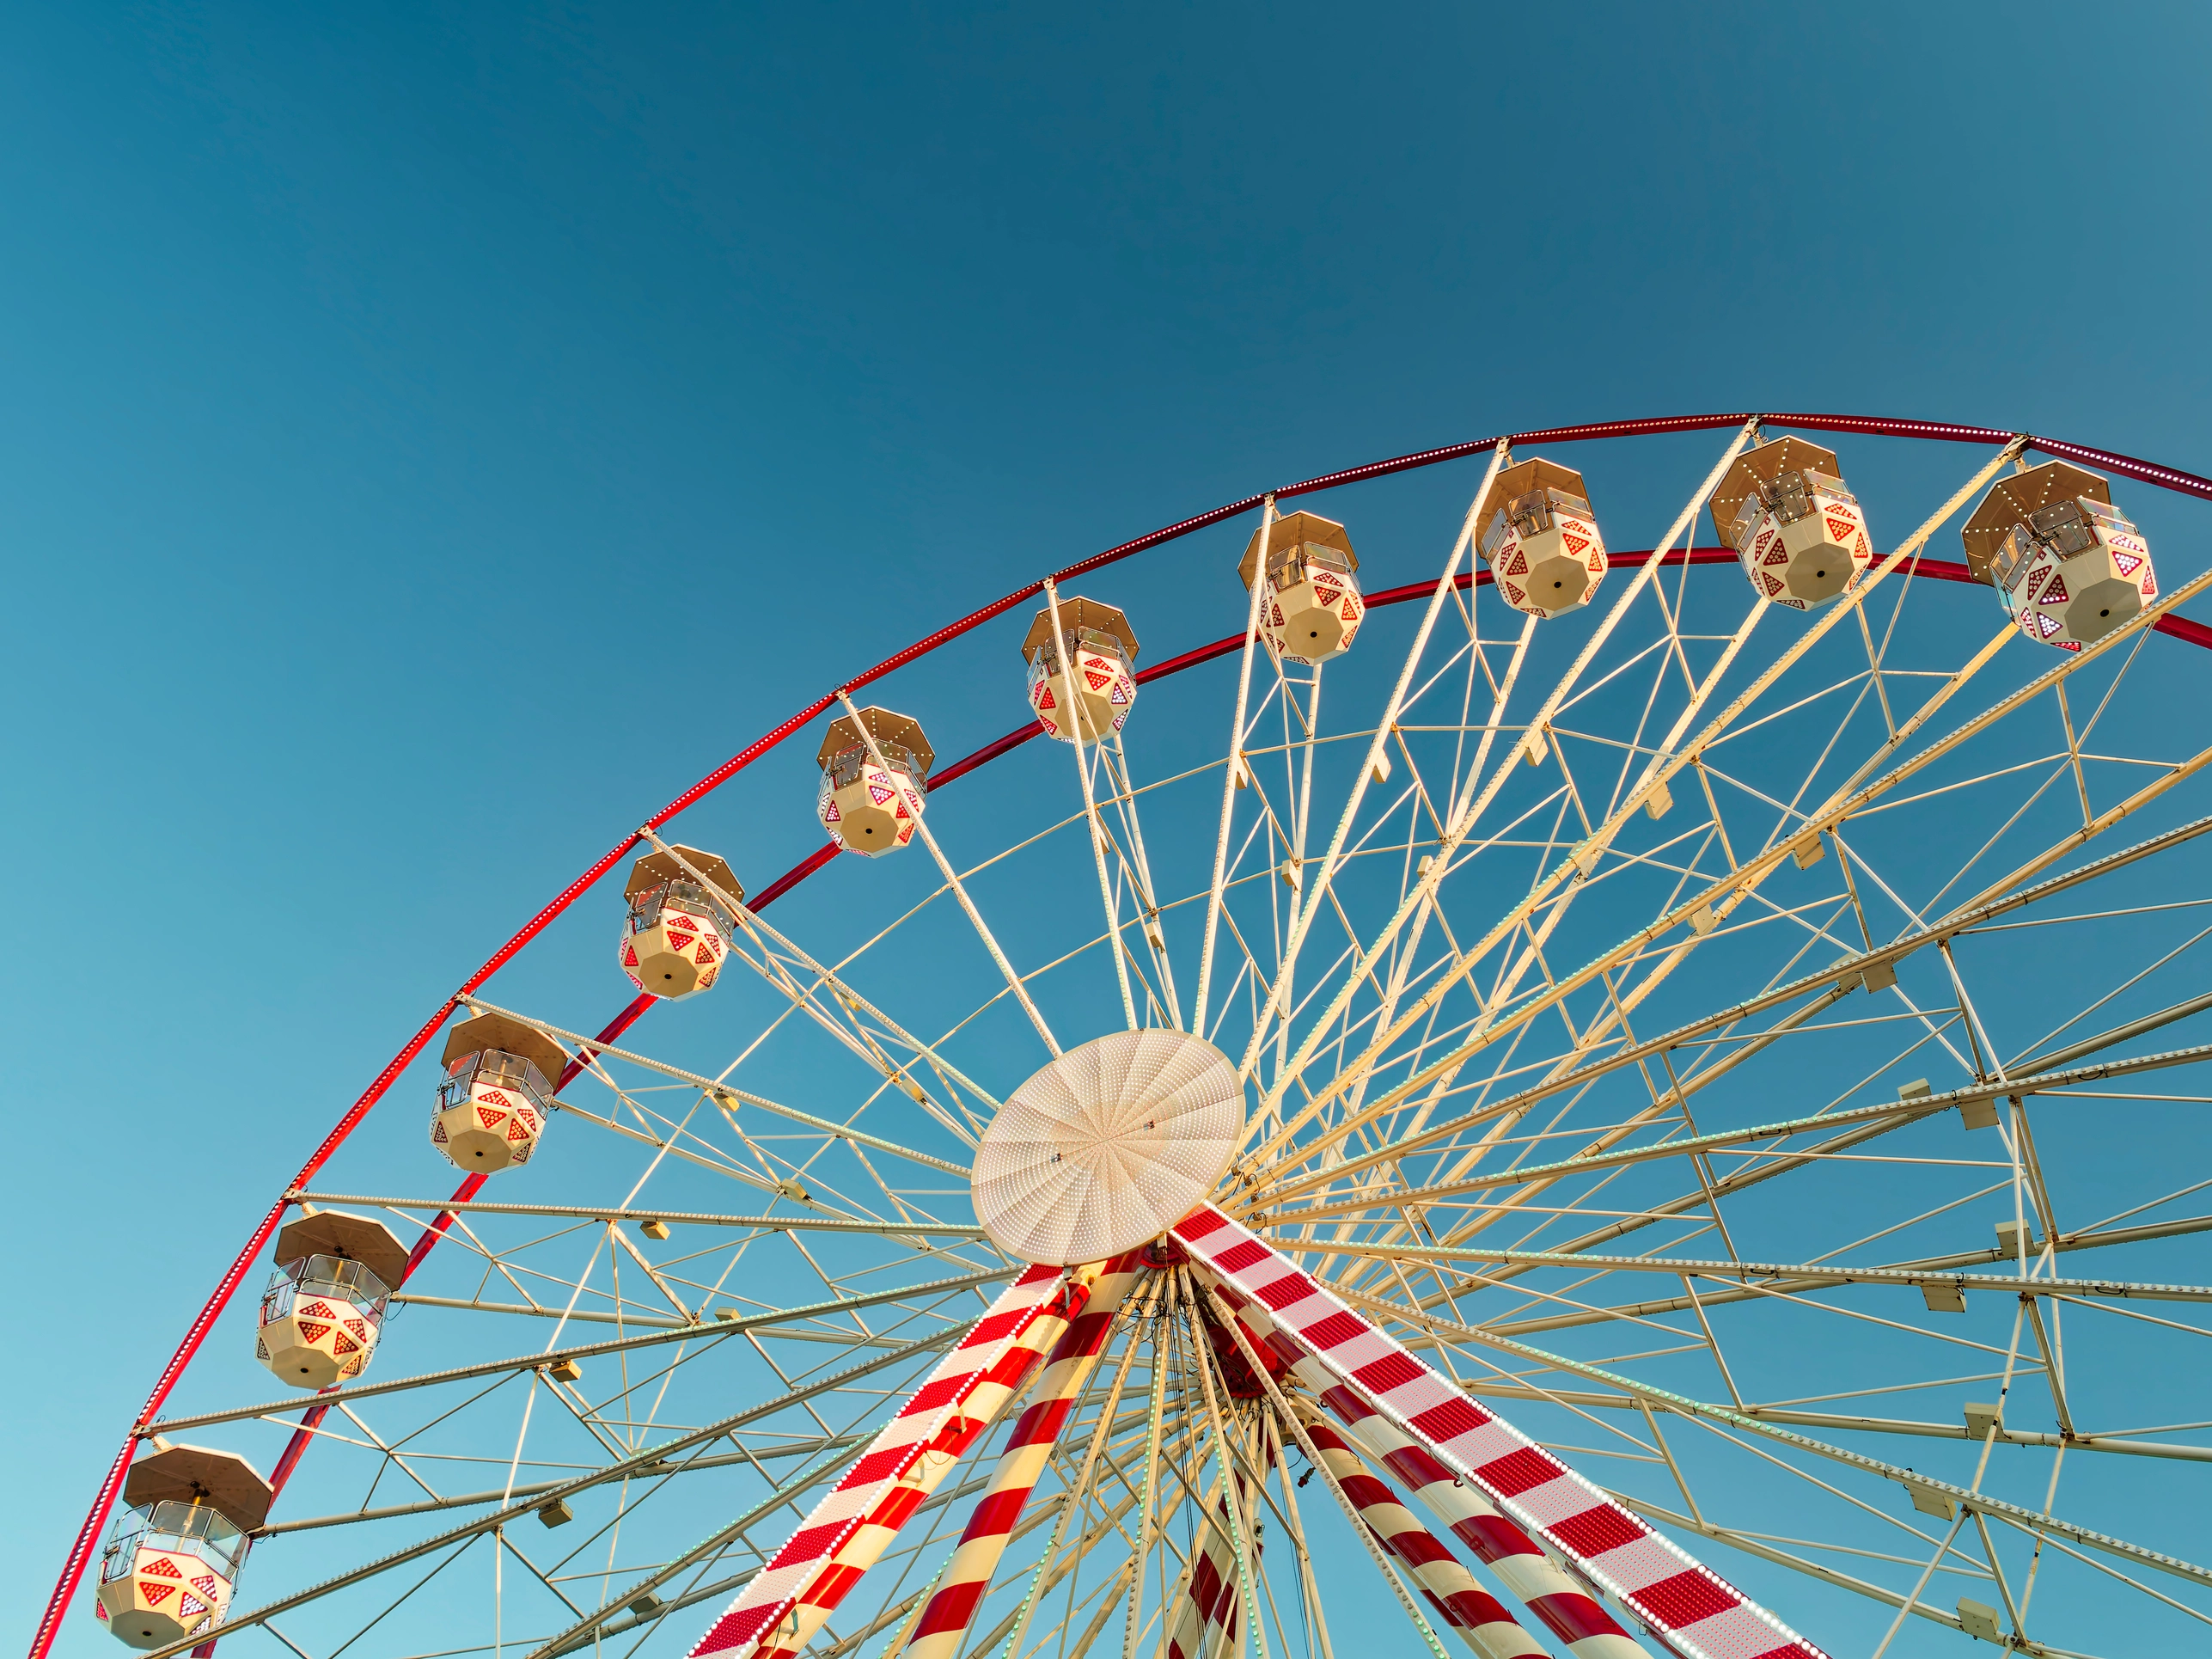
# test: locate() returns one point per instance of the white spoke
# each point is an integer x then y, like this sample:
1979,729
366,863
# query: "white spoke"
975,917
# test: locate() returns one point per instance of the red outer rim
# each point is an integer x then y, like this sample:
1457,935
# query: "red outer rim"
80,1554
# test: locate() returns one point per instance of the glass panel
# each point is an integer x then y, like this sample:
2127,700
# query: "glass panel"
682,894
1787,498
1082,638
2110,517
2064,525
1746,524
844,767
2014,552
1534,512
1531,513
492,1066
513,1071
327,1276
1495,532
192,1528
694,898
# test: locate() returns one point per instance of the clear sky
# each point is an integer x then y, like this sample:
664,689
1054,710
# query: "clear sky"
433,435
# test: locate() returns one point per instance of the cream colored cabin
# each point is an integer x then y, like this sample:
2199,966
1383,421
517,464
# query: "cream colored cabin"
1088,659
871,797
678,928
498,1092
2069,568
1312,607
1540,538
172,1559
1797,531
325,1303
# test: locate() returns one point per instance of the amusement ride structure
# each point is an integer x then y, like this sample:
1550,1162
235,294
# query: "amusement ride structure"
1655,1120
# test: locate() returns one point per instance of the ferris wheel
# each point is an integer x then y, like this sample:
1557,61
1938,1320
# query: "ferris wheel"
1655,1118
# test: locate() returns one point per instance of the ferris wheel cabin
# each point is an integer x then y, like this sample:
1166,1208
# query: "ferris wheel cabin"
2069,568
875,766
1540,539
1798,532
679,927
1312,607
326,1302
493,1103
1088,659
172,1559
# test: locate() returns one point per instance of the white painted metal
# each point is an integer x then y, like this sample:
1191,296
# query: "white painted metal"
1107,1146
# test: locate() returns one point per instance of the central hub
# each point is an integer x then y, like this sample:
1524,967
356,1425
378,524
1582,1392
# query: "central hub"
1107,1147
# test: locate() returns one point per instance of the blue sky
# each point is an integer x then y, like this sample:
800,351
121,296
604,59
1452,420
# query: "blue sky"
434,436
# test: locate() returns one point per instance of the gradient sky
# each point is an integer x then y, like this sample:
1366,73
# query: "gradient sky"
433,435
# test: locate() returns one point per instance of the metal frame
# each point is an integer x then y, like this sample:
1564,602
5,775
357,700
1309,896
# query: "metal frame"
453,1213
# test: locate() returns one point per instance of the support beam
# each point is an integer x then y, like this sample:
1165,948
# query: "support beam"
729,1096
701,1332
670,1217
1805,1276
952,879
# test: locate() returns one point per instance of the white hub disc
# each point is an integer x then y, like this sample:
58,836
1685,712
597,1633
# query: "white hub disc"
1108,1147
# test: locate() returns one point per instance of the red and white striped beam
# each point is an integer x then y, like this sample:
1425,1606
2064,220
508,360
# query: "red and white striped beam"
867,1542
1480,1619
945,1621
979,1373
1206,1614
1687,1606
1560,1601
